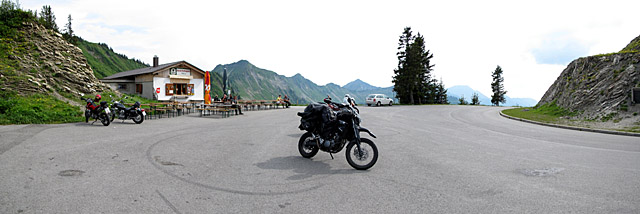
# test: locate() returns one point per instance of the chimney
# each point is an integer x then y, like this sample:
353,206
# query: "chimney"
155,61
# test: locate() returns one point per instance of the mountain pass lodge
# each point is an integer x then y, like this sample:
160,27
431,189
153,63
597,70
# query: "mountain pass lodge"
179,81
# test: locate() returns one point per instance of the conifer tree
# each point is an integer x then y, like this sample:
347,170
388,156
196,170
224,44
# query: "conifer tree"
412,81
462,101
401,79
441,93
47,18
497,87
68,34
475,100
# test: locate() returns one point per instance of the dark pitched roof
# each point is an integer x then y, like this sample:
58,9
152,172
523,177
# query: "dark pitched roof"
145,70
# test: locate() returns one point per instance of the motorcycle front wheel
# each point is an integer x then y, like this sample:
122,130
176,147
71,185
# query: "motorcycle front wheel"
104,119
364,158
138,118
307,150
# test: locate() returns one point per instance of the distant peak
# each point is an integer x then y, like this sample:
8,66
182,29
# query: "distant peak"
359,85
242,61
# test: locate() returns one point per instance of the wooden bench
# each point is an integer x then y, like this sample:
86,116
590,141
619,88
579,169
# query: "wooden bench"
223,111
178,109
160,110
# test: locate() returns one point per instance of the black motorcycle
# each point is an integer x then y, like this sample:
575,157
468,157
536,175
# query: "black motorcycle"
123,113
330,126
96,112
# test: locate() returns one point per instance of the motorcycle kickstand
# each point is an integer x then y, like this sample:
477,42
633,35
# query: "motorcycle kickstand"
331,155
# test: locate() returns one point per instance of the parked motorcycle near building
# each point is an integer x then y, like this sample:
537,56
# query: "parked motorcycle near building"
96,112
330,127
118,110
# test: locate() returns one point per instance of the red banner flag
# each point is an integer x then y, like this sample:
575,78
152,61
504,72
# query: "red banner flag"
207,88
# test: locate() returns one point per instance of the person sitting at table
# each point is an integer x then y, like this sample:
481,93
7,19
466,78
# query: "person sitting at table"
224,98
286,101
216,98
279,100
234,104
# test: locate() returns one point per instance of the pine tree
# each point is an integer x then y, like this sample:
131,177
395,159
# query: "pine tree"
412,81
462,101
497,87
441,93
421,67
68,34
47,18
475,100
401,79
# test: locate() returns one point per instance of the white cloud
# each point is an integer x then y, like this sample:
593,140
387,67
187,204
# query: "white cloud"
340,41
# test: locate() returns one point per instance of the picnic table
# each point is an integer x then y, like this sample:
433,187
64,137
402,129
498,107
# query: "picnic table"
215,107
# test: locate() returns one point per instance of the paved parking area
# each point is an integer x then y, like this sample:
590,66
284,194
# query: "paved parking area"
433,159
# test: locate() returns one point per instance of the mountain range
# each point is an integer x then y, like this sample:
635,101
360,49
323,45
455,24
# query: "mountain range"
251,82
458,91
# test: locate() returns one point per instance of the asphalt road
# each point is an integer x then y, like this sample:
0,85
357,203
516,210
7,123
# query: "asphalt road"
433,159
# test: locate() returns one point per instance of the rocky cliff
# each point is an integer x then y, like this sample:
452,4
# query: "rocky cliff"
599,86
41,61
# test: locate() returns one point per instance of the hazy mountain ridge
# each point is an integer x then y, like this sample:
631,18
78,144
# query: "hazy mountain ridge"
251,82
466,91
359,85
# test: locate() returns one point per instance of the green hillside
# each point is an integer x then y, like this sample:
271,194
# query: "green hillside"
216,84
104,61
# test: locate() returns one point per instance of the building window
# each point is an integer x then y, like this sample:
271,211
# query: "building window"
122,86
139,88
169,89
179,89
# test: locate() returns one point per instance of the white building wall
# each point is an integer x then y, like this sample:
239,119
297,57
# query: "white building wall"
198,93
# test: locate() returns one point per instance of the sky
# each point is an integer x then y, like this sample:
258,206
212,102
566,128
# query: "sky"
341,41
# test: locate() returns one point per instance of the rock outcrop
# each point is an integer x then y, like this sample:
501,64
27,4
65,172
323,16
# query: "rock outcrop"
598,86
46,63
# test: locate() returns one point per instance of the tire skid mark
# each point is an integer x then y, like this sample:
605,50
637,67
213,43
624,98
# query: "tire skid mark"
24,134
168,203
151,160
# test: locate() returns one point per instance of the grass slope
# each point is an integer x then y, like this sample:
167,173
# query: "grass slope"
104,61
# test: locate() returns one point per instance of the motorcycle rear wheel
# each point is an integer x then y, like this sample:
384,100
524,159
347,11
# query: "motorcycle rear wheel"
305,150
364,160
138,119
104,119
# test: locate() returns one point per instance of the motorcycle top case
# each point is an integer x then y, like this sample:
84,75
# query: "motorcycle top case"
314,115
